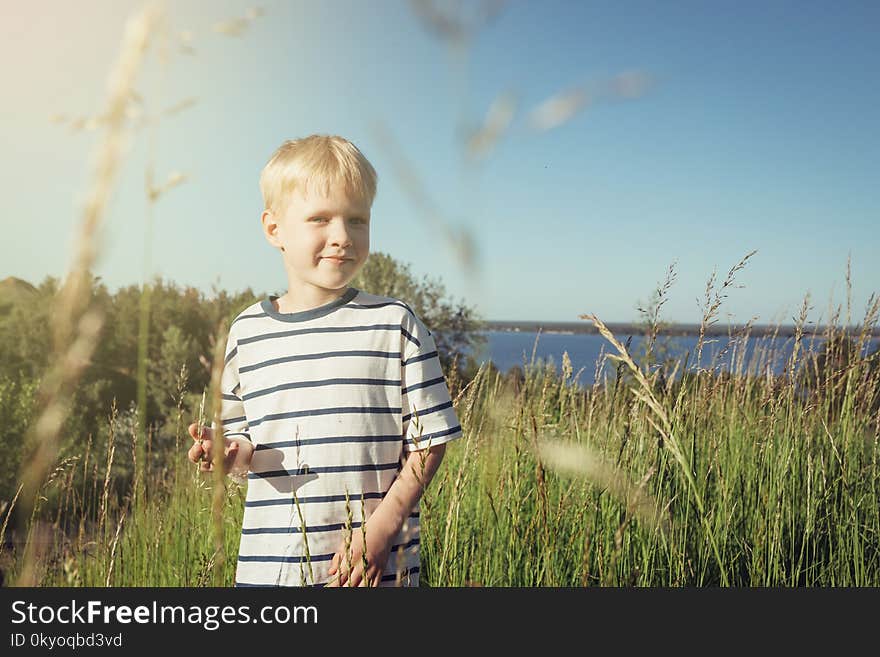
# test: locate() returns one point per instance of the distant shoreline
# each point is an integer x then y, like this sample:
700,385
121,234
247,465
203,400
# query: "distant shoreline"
677,330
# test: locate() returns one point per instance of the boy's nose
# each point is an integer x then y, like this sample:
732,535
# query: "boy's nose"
339,234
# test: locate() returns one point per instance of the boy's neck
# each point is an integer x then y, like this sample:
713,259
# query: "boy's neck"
288,303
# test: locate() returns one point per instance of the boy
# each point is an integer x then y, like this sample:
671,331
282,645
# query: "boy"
333,400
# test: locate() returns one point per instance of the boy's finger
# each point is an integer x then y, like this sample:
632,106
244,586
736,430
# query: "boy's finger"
199,450
199,432
357,577
344,572
334,564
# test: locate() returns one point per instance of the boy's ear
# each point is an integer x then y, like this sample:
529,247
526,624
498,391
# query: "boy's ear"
270,227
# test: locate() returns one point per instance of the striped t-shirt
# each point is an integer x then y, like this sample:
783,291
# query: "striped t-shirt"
333,399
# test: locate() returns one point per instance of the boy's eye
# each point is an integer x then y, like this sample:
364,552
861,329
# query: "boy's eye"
357,220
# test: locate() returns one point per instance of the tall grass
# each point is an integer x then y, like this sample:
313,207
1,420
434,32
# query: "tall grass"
762,486
710,478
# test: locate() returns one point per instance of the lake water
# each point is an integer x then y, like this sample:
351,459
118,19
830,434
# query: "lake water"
508,348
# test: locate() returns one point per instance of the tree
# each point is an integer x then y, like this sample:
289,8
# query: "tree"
454,327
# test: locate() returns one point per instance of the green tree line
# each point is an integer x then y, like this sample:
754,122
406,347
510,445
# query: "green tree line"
183,324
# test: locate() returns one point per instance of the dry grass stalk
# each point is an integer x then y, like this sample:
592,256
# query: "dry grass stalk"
8,511
67,487
581,461
138,480
460,240
848,292
559,109
562,107
800,321
237,26
179,106
652,312
462,474
185,45
713,301
482,141
85,472
661,422
218,500
305,534
75,325
113,549
174,179
452,25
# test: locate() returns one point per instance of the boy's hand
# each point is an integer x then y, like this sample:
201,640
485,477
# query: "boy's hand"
380,536
200,452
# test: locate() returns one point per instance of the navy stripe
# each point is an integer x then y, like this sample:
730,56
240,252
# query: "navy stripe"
403,546
324,382
382,410
437,434
232,419
328,441
269,558
427,411
403,574
314,529
237,433
230,397
230,355
255,316
327,329
421,357
298,530
425,384
409,336
369,467
236,388
315,499
263,586
326,354
383,304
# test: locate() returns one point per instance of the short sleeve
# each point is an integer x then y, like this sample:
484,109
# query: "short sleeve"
232,415
429,418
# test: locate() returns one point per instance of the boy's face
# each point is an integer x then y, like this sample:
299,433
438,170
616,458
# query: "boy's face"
312,230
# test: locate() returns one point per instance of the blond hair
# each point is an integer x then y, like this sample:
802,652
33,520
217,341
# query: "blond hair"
313,164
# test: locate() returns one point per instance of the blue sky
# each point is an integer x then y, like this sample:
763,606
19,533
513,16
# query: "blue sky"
759,131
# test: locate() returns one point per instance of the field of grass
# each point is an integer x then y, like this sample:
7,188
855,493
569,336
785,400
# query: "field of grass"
708,479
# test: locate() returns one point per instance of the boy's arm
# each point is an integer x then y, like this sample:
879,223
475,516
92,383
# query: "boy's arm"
417,472
428,417
386,521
